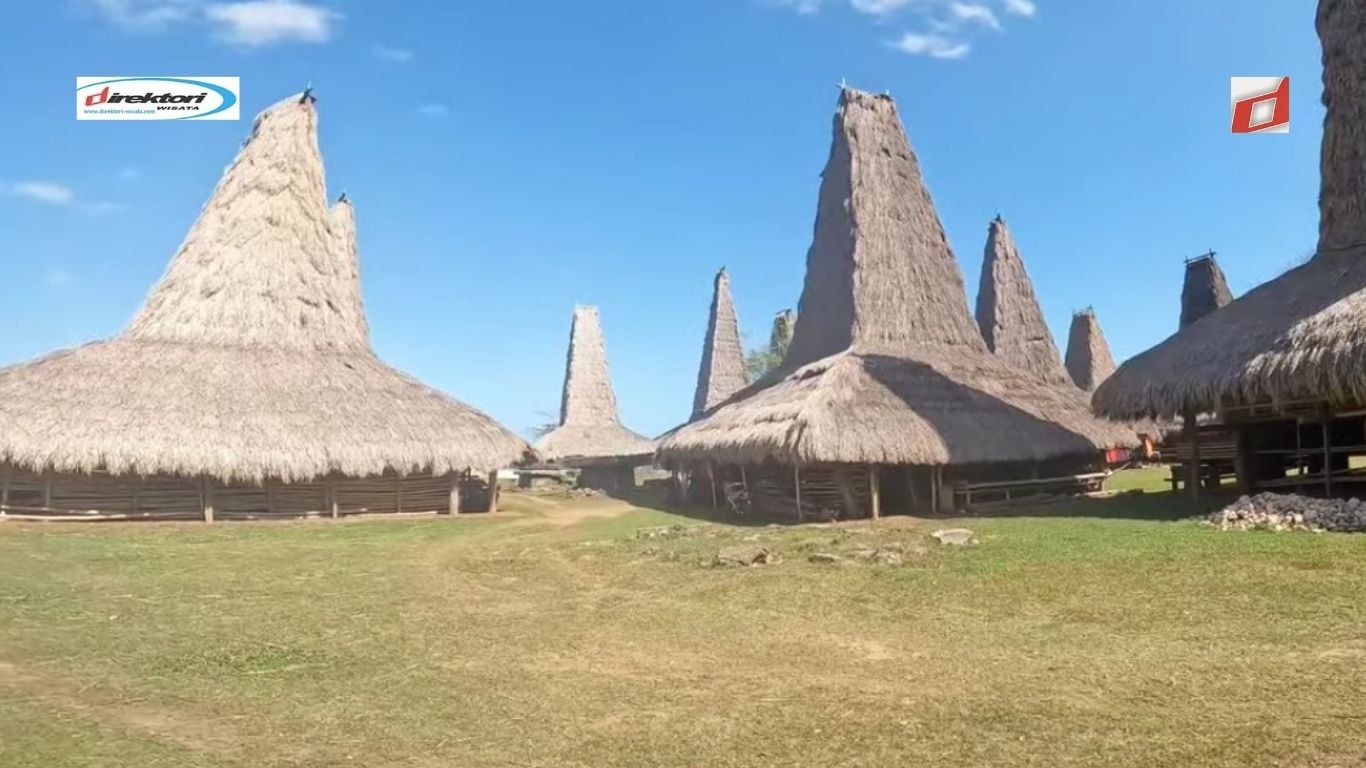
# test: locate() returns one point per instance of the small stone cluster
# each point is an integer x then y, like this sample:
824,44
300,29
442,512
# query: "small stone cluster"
1291,512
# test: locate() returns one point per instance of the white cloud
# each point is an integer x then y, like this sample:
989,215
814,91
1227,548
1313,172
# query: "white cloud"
883,7
433,110
803,7
396,55
47,192
57,195
934,46
145,15
256,23
975,14
1026,8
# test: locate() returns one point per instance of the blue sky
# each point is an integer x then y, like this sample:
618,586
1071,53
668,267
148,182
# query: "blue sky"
511,159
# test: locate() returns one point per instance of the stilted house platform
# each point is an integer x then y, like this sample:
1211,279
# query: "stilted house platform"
889,399
246,386
1281,366
590,436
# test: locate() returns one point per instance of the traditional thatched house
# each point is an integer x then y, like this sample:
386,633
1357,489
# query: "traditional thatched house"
1204,290
888,387
1008,312
1089,361
722,371
246,385
1282,365
590,435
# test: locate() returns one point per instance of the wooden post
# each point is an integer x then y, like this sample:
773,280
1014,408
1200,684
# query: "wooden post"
744,481
206,498
934,490
493,491
4,492
398,494
47,492
1244,461
270,498
1193,471
330,491
875,492
137,495
1327,455
910,486
711,479
453,502
797,478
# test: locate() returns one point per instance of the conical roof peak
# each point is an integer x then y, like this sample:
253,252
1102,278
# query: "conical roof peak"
263,265
722,371
1089,361
588,398
1205,289
1008,312
880,275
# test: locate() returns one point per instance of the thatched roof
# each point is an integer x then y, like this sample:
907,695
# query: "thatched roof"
1008,312
590,431
1089,361
886,365
1205,289
1303,334
251,358
722,372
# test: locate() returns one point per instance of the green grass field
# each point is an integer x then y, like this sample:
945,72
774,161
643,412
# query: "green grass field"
1095,633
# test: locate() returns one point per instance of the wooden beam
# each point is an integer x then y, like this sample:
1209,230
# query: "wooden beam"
934,490
453,502
910,487
206,498
1193,469
797,478
875,492
493,491
744,481
330,492
846,487
1244,461
711,479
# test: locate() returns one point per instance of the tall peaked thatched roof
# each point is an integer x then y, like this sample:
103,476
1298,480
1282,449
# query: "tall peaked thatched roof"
886,364
251,358
722,372
590,430
1205,289
1089,361
1301,336
1008,312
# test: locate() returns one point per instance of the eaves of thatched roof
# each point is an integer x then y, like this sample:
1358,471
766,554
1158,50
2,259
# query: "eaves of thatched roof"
251,358
590,431
1008,311
1204,290
1089,361
722,371
1299,336
886,364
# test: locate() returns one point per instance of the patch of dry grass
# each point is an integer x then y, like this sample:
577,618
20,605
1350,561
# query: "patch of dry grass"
1098,635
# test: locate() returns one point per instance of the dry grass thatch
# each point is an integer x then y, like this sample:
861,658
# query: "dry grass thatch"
590,431
251,359
1303,334
1008,312
1205,289
886,364
722,371
1089,361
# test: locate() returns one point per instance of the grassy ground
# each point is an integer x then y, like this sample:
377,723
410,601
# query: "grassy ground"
1101,633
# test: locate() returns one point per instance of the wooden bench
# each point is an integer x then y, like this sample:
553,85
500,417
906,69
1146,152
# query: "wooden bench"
1008,490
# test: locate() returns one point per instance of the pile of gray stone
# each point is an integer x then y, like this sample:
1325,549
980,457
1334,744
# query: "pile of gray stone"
1291,512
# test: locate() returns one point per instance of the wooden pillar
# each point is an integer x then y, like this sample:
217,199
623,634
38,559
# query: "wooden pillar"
1244,461
47,492
206,498
4,491
934,490
1193,470
711,480
137,495
797,478
910,486
398,494
875,492
493,491
330,484
270,498
1327,455
744,481
453,500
